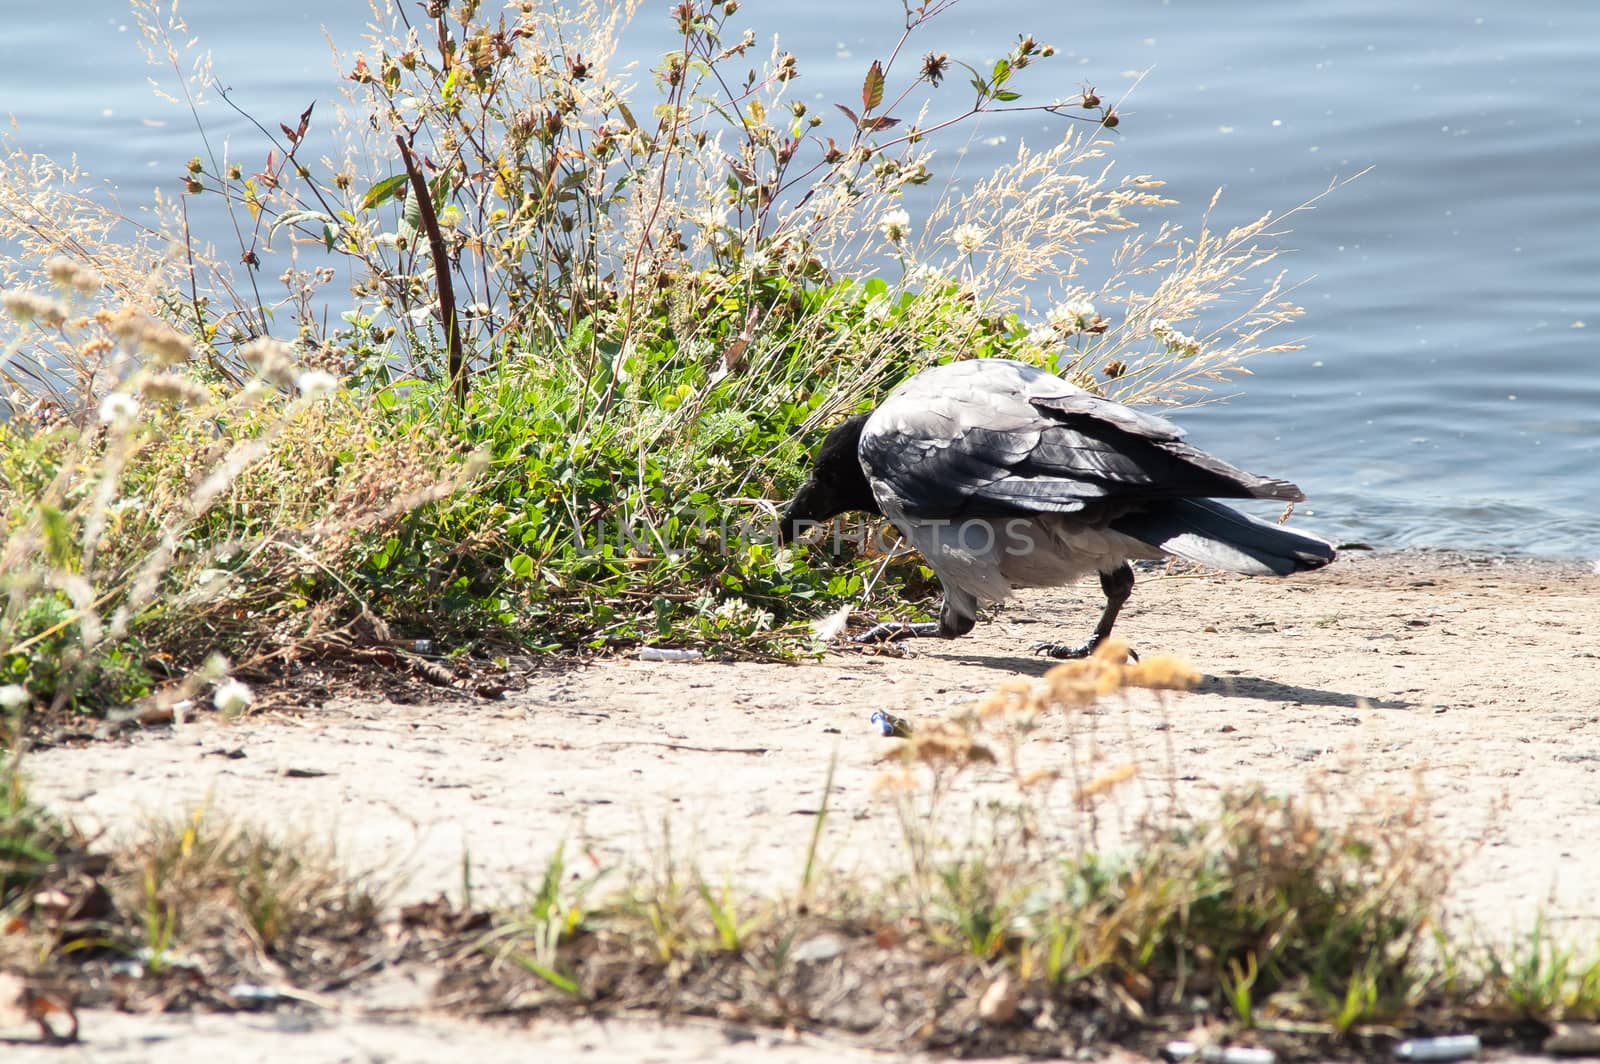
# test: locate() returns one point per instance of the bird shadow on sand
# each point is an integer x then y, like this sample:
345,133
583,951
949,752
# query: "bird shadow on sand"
1273,691
1228,686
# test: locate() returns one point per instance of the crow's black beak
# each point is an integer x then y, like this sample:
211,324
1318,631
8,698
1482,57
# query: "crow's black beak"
788,525
799,515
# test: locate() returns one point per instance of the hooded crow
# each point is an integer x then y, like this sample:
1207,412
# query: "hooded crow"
1005,476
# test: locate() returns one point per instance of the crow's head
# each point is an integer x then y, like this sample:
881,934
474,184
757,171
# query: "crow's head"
836,484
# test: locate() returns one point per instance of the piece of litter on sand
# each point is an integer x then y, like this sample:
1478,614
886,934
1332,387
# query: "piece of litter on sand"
892,727
1449,1047
1181,1051
666,654
251,996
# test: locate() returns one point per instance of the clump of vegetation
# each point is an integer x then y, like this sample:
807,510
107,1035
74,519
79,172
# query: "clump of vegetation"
520,351
31,839
211,895
199,912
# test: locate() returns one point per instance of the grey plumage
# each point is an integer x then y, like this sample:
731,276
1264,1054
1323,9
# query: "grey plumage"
1004,476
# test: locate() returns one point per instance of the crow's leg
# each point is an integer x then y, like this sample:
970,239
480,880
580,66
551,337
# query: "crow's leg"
953,621
1118,585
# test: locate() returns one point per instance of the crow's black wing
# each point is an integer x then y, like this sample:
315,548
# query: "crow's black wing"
991,437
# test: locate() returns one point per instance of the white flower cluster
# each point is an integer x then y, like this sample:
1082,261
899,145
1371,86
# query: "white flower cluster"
1174,341
1071,316
714,225
738,611
317,384
895,225
968,237
232,697
118,408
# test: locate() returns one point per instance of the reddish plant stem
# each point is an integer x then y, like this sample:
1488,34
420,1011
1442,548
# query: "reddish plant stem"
441,273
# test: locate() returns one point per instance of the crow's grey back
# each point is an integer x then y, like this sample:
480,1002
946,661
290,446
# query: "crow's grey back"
993,437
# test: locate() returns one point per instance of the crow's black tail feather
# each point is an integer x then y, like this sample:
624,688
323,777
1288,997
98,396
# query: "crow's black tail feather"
1207,532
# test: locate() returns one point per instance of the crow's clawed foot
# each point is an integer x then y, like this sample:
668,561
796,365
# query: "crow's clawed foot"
1067,652
891,630
1062,651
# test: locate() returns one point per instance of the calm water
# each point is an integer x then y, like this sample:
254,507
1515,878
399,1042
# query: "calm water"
1449,394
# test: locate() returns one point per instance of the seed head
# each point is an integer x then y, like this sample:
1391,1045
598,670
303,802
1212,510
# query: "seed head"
30,306
173,389
272,359
69,273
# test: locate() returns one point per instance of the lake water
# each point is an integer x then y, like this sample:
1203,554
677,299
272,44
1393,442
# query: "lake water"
1449,392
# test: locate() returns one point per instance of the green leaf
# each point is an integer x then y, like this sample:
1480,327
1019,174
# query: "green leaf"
439,189
411,219
295,217
330,233
550,975
1007,96
58,541
1002,71
383,190
872,87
